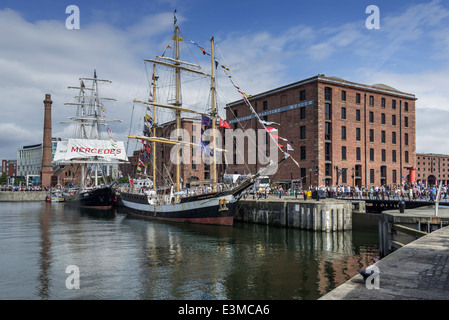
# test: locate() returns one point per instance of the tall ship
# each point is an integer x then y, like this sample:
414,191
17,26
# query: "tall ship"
91,149
216,204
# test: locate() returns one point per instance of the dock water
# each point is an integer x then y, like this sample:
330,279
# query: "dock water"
414,244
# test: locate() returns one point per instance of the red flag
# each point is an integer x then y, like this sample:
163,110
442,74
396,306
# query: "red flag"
269,129
224,124
281,146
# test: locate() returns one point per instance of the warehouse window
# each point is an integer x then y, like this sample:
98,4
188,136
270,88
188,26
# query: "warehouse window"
327,111
328,94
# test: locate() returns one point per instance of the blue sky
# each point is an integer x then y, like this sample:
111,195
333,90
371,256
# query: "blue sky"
266,44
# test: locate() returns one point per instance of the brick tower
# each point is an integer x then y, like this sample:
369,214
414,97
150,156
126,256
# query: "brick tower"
47,169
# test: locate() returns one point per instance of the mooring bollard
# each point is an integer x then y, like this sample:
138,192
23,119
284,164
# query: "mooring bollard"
401,206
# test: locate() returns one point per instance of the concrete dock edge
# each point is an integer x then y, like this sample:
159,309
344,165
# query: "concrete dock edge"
417,271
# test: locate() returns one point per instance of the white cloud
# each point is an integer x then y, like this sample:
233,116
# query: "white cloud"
432,107
334,40
45,57
404,37
430,87
432,130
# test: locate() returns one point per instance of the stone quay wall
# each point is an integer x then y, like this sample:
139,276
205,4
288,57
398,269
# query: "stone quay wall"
327,215
17,196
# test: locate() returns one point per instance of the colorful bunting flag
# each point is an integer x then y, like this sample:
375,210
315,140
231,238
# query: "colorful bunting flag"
269,123
205,121
141,163
224,124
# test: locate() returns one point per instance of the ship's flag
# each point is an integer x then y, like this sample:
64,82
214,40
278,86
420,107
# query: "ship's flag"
149,121
277,137
224,124
146,148
168,47
203,147
205,136
148,125
268,123
271,129
141,163
289,147
281,146
206,121
145,152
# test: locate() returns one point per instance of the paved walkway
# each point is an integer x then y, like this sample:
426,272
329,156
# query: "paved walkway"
417,271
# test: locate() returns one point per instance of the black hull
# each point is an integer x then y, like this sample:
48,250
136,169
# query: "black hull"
101,198
190,210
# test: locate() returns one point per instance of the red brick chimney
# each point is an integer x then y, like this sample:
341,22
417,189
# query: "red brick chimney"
47,169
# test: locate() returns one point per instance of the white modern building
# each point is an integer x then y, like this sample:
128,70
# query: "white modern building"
29,159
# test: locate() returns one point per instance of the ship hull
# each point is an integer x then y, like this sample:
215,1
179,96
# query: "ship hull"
215,209
101,198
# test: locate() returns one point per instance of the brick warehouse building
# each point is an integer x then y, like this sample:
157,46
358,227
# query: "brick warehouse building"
432,168
355,134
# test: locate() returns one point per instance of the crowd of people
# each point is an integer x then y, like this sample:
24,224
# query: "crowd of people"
24,188
414,191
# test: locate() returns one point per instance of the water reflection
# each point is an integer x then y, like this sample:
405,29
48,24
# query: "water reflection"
245,262
120,257
45,253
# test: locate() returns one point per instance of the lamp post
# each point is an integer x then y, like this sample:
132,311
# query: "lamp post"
310,177
340,172
353,183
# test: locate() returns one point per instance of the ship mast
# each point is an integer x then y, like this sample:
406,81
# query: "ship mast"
88,121
154,129
214,164
178,112
179,65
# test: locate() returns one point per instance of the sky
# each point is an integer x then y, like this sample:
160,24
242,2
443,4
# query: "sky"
266,44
